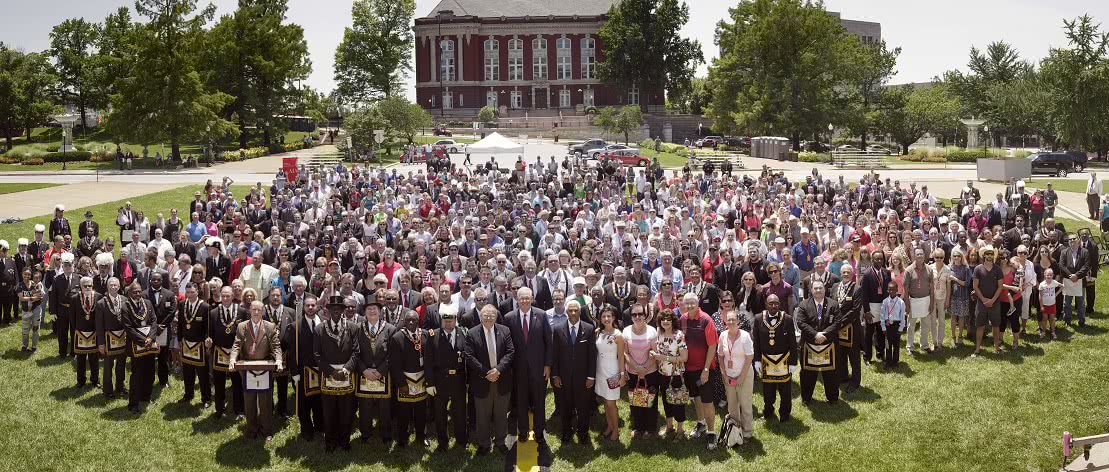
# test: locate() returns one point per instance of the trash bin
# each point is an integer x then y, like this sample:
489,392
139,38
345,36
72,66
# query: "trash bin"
792,156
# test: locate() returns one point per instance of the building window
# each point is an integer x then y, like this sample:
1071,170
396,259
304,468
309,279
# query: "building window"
564,98
563,69
587,99
515,59
446,60
492,59
491,99
588,58
448,100
633,95
516,99
539,59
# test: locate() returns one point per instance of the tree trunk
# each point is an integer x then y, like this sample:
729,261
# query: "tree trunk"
242,132
905,148
28,134
8,135
81,109
796,139
863,143
175,149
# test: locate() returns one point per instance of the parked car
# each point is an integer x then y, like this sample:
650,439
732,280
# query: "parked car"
1080,159
709,141
816,146
846,148
737,141
627,157
1058,164
596,153
442,131
587,147
448,145
878,148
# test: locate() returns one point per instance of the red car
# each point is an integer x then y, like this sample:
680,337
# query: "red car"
628,157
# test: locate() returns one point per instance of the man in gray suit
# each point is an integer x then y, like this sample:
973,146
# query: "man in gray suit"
489,357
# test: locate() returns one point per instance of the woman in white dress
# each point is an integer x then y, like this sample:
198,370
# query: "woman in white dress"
610,349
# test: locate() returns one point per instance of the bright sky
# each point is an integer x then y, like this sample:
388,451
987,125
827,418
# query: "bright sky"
935,35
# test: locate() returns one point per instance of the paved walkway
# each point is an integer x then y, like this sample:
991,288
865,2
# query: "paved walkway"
42,201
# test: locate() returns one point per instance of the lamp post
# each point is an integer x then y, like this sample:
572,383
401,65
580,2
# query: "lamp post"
986,142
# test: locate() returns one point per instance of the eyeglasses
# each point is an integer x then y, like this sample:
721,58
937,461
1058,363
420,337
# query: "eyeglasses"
726,301
775,271
1022,252
666,284
638,315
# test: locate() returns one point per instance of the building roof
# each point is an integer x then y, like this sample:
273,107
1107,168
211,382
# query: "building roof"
519,8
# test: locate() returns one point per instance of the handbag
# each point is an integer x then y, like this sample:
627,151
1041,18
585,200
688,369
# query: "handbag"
613,382
641,396
677,395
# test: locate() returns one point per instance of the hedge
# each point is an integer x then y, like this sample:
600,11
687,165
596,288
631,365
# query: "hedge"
33,162
69,156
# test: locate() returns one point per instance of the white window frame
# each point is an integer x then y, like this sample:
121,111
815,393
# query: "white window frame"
515,59
447,71
516,99
564,98
448,100
491,99
588,58
564,69
492,59
539,59
588,97
633,95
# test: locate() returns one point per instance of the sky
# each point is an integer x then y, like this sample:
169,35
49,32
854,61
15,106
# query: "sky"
934,35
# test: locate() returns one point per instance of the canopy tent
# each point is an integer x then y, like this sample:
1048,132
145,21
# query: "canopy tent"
495,143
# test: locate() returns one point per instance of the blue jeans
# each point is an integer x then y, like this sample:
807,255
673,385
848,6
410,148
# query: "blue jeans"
1074,303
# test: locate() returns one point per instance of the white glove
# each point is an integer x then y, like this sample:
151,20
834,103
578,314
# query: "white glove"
296,378
431,391
758,367
793,369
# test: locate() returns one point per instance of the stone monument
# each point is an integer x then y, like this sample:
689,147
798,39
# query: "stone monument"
972,125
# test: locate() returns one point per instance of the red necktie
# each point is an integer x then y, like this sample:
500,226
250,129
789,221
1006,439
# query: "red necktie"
524,319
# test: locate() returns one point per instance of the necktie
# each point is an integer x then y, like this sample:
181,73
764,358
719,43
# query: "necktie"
491,346
819,312
524,321
573,333
450,339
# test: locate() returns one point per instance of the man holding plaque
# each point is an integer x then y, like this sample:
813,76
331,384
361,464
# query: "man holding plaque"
222,320
192,326
111,339
373,393
258,348
336,353
408,359
446,373
819,320
84,332
775,357
142,332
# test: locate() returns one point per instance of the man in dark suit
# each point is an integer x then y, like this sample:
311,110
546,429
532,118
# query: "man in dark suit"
146,273
222,320
192,328
372,367
284,317
872,290
620,293
89,225
337,356
531,333
818,320
142,334
218,264
164,302
446,373
301,361
489,358
726,275
258,339
66,285
848,295
638,275
1093,262
89,244
708,295
538,286
1075,266
574,369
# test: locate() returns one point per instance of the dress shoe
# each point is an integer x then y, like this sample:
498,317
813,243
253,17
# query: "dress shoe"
442,447
501,448
583,440
79,385
218,414
185,400
110,396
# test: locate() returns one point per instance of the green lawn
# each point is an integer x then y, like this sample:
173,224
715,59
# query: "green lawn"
667,160
23,187
431,139
994,413
1060,185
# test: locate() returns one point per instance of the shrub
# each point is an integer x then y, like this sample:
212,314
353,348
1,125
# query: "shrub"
248,153
934,159
9,160
806,156
70,156
33,162
293,146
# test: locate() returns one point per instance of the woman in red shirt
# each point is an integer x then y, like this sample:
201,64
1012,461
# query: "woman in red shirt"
1011,283
1037,211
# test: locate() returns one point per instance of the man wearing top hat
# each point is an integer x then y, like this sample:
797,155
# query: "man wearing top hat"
59,226
89,224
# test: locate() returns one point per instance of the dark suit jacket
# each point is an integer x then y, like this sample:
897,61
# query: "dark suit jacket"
541,293
477,360
538,351
829,323
727,279
613,299
166,310
575,360
199,329
1074,266
133,321
328,352
117,271
218,267
444,358
302,353
708,297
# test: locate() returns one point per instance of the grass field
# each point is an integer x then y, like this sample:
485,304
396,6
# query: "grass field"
23,187
939,412
1060,185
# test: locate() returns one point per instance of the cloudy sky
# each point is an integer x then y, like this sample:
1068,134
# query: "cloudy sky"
934,35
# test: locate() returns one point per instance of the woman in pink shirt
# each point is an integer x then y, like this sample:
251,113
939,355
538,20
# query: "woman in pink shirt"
735,351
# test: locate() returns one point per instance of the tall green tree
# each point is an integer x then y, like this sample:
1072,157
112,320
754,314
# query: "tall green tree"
11,87
621,120
375,54
72,47
874,66
36,100
115,53
1077,79
643,48
695,101
996,67
163,96
907,113
786,66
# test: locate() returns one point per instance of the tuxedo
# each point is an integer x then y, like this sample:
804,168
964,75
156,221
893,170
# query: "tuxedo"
851,335
536,352
872,290
284,317
708,296
219,266
164,302
575,364
447,373
85,226
373,353
300,337
192,327
541,291
334,344
813,318
621,297
140,323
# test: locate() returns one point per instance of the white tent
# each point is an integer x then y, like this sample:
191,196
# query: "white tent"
495,143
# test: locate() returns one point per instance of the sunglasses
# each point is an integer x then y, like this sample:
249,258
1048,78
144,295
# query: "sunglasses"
666,284
638,315
773,271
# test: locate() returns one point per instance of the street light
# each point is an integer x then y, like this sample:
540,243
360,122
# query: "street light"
986,142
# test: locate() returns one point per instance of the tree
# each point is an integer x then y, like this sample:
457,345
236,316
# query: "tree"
643,48
1077,80
619,121
11,62
907,113
399,118
163,96
695,101
375,54
115,53
785,65
71,45
487,114
27,85
874,68
998,66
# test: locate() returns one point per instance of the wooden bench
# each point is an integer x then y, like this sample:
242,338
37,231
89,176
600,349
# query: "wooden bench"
717,159
861,159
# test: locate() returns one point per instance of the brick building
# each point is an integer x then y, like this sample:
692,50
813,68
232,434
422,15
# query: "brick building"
515,55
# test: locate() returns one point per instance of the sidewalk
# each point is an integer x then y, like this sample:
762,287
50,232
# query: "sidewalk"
42,201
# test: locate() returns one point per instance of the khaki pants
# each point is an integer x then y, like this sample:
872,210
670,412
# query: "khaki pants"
919,305
739,402
937,316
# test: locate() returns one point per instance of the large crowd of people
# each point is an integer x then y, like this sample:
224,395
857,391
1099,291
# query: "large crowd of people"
441,305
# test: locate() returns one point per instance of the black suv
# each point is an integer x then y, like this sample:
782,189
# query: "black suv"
1058,164
1080,159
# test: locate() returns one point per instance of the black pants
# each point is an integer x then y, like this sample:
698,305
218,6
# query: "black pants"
282,405
91,363
61,330
873,342
893,344
309,411
451,401
1090,292
142,379
808,384
849,359
380,409
676,412
337,417
9,308
773,390
219,380
114,373
189,373
531,396
164,357
644,419
577,402
411,415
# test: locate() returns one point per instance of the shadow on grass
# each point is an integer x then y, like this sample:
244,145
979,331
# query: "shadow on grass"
832,413
750,449
243,453
863,394
119,413
94,401
176,411
52,361
210,424
16,355
67,393
1090,330
789,429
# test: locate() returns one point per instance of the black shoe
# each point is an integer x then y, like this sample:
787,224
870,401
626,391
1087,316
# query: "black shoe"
483,451
110,396
784,418
851,388
185,400
583,439
566,438
79,385
218,414
442,447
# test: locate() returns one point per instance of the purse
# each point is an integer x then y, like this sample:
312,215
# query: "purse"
614,382
677,395
641,396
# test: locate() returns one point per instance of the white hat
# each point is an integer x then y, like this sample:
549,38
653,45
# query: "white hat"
59,207
4,244
779,240
22,241
804,230
67,257
943,220
39,228
104,259
579,280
